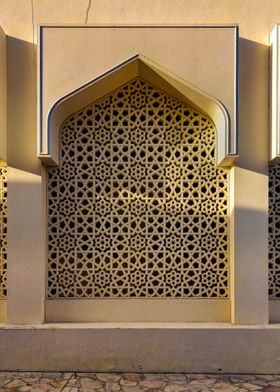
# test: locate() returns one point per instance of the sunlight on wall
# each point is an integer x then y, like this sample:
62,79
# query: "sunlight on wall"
138,207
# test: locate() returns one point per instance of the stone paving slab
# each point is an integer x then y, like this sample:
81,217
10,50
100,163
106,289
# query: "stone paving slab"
134,382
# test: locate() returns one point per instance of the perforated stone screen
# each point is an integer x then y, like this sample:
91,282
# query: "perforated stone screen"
3,232
274,232
137,207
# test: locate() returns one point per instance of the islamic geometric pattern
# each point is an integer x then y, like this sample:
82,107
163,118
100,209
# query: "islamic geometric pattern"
137,207
274,232
3,232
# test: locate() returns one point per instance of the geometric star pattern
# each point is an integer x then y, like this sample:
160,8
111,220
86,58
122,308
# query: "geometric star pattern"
274,232
137,207
3,232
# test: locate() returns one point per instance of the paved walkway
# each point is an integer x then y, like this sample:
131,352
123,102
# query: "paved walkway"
128,382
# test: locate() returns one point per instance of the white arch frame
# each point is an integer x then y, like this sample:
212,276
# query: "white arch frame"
138,65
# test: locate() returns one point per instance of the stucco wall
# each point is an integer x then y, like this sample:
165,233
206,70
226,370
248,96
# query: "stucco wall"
19,19
255,17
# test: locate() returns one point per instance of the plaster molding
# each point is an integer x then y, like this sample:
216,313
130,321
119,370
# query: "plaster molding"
137,65
140,66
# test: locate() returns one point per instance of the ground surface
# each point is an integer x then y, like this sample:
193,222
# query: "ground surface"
128,382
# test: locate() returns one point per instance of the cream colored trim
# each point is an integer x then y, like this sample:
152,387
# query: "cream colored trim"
136,310
138,25
140,66
48,138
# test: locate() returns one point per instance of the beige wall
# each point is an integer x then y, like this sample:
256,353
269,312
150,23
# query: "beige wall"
19,21
256,17
256,20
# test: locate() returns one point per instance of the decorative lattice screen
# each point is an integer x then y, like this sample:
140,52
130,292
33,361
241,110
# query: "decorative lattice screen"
137,207
3,232
274,232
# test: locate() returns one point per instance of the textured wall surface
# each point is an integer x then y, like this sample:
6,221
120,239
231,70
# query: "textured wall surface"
255,20
3,232
19,20
274,232
137,207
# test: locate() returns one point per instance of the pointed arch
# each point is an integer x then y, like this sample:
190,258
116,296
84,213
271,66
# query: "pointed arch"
138,65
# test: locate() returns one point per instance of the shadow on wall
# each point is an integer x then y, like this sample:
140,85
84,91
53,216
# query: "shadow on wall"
22,155
253,106
22,106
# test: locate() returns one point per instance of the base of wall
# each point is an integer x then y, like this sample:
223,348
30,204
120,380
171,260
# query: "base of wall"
138,310
141,347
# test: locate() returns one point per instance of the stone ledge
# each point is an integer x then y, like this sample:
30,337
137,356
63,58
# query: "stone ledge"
141,347
140,325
